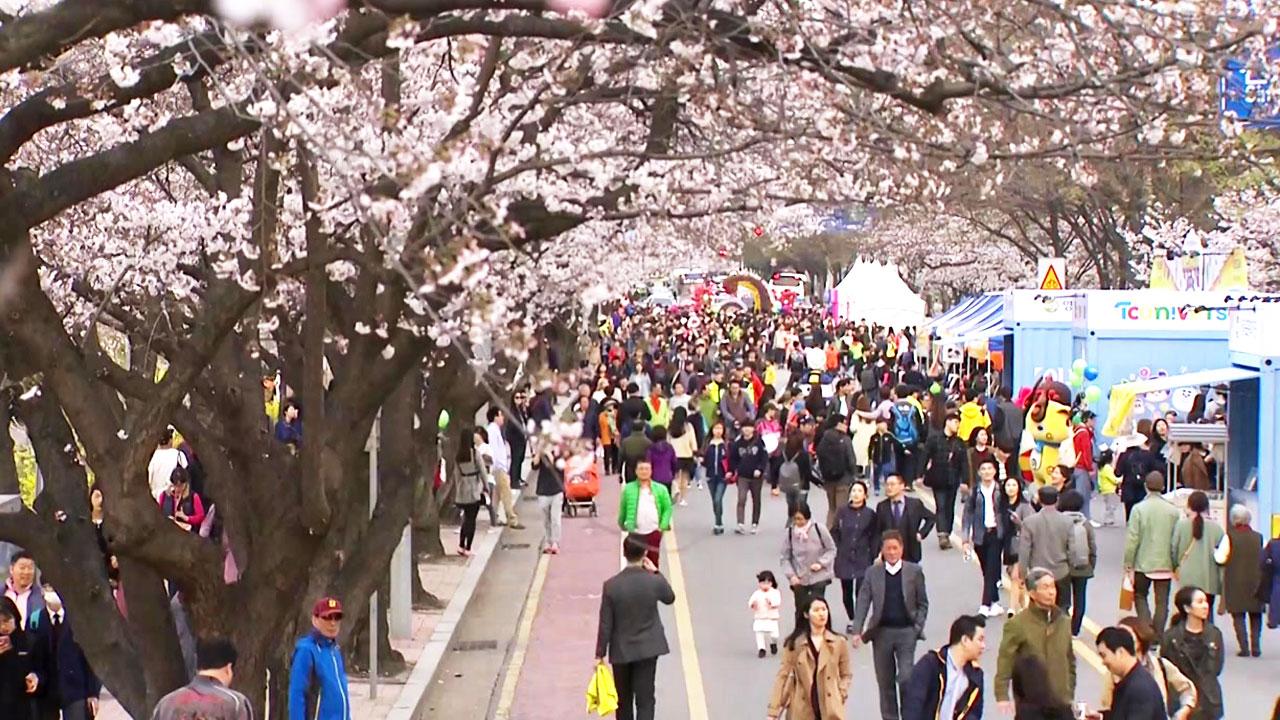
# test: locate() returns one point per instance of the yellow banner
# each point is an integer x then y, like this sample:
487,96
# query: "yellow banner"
1119,409
1235,272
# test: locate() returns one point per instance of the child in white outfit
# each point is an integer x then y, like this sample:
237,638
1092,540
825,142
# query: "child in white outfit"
766,605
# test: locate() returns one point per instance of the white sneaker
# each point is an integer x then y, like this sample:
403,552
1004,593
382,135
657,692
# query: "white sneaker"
684,503
1095,523
984,610
740,530
995,610
755,529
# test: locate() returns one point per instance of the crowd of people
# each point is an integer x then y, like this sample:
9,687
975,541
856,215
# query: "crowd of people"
797,401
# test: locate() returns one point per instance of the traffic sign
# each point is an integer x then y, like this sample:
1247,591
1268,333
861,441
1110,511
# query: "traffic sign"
1052,273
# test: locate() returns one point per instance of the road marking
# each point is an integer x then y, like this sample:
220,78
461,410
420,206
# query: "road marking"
1088,654
508,696
684,633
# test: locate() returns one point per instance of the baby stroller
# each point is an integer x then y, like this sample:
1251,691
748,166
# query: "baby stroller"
581,485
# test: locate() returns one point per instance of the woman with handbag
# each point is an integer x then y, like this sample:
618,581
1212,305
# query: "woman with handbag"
1195,646
813,680
1195,542
808,558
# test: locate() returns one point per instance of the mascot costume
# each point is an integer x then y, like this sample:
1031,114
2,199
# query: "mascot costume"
1046,434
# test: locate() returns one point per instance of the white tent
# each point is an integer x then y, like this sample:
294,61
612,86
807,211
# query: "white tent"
875,292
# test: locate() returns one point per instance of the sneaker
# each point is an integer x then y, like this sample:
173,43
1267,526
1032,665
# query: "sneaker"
1257,652
717,530
760,653
1095,523
684,503
996,610
740,530
984,610
555,549
698,485
773,648
944,542
515,525
755,529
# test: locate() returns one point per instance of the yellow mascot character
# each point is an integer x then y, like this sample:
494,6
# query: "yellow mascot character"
1046,434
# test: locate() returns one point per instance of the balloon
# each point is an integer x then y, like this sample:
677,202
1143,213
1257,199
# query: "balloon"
1093,394
1077,381
935,389
1091,373
442,422
1079,365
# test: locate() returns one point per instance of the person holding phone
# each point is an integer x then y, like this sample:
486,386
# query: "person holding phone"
181,504
17,680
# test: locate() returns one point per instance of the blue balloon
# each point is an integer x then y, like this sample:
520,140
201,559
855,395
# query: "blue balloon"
1091,373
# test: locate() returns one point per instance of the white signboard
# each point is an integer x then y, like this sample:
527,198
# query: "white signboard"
1153,310
1249,327
1039,306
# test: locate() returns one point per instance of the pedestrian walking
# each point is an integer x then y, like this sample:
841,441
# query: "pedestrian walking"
1148,551
814,677
1270,590
808,558
1043,633
1242,582
948,683
1085,475
715,464
891,612
1178,694
1196,540
1136,695
795,472
684,440
857,541
500,453
645,510
945,469
748,462
1134,466
317,674
662,459
1082,551
1016,509
17,673
1195,646
549,462
630,633
209,695
469,488
634,449
1108,487
984,528
907,515
885,449
1045,541
836,463
766,612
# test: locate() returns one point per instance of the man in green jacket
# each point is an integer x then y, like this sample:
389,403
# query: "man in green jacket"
1148,551
645,509
1043,631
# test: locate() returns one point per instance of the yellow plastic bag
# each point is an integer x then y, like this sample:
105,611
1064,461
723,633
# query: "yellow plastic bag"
602,695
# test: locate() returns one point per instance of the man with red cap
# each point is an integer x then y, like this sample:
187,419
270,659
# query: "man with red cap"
317,675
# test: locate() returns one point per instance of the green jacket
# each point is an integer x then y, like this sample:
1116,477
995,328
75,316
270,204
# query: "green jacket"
1149,545
1193,559
1045,635
631,499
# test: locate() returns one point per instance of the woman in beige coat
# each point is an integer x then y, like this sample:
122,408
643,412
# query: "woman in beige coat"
813,681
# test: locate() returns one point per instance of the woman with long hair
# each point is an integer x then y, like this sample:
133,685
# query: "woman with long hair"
468,489
685,441
813,679
980,448
715,457
857,543
1033,696
1195,543
1195,646
1016,508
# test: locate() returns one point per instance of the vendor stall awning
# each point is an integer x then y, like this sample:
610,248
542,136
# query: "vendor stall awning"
955,311
980,315
1122,395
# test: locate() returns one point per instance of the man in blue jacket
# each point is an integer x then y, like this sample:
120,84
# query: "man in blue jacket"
317,675
947,683
66,684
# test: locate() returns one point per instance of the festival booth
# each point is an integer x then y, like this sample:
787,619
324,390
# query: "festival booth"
876,293
1121,336
974,327
1038,335
1243,393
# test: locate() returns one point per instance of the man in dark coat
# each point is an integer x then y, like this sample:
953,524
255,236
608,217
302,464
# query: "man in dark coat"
66,684
948,683
515,431
946,467
630,634
1136,695
905,514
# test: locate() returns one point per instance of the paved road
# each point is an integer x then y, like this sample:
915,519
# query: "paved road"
713,657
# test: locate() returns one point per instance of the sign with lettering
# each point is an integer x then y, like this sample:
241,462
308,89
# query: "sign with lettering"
1158,310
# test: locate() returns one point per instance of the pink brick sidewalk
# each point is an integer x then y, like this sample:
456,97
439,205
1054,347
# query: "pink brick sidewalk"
562,645
441,577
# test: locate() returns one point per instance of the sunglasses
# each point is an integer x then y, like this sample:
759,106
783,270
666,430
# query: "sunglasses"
332,617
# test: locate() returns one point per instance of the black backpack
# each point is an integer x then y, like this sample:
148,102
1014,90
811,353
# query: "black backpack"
831,458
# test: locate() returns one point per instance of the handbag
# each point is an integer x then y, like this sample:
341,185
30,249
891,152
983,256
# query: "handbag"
602,694
1222,553
1185,553
1126,592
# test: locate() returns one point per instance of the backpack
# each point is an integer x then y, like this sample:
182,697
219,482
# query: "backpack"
831,458
904,423
1078,546
789,473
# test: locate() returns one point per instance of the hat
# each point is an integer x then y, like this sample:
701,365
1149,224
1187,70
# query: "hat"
326,606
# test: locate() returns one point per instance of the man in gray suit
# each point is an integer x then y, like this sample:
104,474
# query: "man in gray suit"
631,633
893,594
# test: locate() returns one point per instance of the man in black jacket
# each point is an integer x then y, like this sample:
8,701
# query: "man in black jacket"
905,514
515,430
633,410
1136,695
948,683
630,632
946,467
837,464
749,461
67,685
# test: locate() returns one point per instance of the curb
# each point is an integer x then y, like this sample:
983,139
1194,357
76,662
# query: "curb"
408,703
